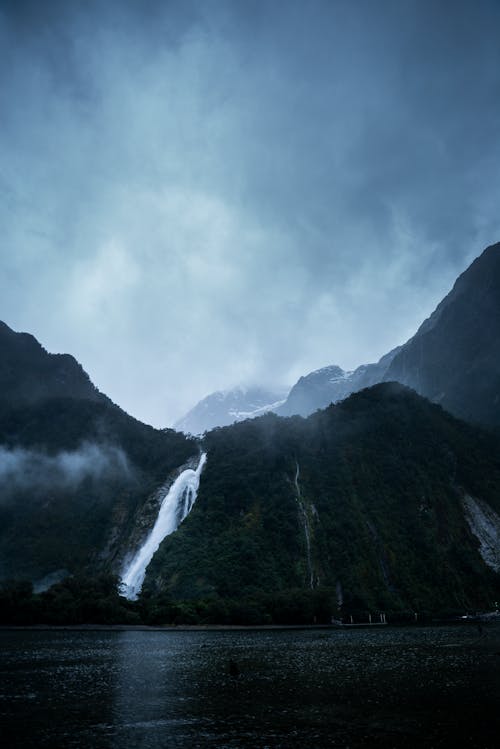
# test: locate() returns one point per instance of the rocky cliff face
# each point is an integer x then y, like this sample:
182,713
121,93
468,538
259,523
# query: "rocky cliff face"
330,385
454,358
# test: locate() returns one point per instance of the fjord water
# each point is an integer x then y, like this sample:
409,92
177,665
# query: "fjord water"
253,689
175,507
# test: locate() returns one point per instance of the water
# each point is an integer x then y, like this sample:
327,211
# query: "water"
316,688
175,507
305,520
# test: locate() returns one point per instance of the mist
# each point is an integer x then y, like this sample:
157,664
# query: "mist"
22,469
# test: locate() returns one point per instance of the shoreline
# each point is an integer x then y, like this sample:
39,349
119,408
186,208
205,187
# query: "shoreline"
233,627
167,627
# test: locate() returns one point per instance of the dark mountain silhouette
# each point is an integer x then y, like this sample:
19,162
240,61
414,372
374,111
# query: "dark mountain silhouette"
76,471
454,358
28,373
383,499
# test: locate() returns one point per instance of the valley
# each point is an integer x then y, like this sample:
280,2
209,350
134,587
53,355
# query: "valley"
380,501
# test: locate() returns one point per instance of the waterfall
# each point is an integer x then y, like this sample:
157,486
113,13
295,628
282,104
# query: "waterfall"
175,506
305,519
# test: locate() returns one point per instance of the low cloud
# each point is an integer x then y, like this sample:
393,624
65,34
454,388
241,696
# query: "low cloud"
25,469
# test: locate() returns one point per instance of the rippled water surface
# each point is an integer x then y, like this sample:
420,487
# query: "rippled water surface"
316,688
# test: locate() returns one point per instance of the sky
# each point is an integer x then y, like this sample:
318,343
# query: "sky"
197,195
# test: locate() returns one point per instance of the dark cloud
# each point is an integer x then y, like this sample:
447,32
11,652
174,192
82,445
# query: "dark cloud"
196,194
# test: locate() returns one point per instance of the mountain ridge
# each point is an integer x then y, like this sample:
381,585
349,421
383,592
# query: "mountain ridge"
75,469
224,407
29,373
379,481
384,501
331,384
453,358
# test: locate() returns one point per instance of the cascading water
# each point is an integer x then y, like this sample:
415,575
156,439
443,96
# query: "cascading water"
176,505
305,520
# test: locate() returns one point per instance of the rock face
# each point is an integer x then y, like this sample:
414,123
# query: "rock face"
330,385
454,358
485,525
313,391
225,407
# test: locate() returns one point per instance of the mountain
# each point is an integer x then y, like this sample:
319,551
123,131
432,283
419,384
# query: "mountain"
225,407
331,384
28,373
313,391
382,502
78,476
454,358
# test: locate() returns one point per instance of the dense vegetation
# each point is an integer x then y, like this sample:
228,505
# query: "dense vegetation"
50,520
96,600
381,479
75,470
357,509
379,486
83,600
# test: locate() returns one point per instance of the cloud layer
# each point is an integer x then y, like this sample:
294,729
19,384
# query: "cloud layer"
195,195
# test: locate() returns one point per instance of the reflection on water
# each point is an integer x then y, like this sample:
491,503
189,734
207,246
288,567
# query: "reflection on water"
315,688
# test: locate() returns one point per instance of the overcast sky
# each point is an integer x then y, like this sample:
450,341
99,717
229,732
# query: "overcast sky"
195,195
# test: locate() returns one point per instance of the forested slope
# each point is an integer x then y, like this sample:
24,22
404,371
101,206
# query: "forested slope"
364,498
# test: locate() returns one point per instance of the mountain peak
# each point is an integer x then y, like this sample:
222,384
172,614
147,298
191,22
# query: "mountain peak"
454,358
224,407
332,384
28,373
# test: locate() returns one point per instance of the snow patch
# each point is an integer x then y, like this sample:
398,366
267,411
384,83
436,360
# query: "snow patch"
260,411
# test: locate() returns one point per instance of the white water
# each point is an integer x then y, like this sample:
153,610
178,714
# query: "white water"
305,519
176,505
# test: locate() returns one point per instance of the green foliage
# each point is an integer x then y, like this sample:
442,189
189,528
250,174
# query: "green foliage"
288,607
76,600
381,477
47,525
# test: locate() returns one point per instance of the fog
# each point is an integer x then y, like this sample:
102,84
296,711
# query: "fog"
24,469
